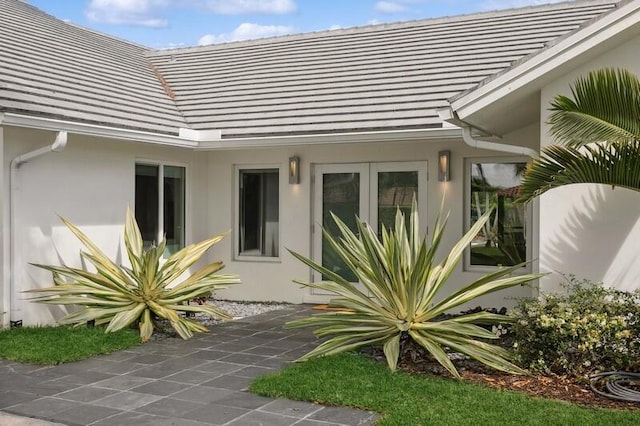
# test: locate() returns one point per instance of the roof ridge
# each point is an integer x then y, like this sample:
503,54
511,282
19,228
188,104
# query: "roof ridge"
381,26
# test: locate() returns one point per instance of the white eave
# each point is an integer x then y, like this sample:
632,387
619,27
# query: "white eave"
207,140
332,138
42,123
606,28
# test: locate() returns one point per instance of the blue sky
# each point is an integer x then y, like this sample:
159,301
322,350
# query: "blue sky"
178,23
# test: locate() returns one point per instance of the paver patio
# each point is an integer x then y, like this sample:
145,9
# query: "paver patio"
201,381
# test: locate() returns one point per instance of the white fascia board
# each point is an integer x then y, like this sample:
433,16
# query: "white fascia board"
332,138
199,135
41,123
212,139
574,45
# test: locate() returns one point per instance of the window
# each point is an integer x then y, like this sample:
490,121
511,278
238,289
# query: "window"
502,241
258,212
160,204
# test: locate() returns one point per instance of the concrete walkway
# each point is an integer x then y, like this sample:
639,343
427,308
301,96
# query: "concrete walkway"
201,381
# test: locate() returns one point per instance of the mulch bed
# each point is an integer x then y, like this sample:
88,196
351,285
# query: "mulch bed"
558,388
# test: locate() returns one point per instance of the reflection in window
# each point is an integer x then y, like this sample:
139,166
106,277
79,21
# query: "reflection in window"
152,200
502,240
395,190
259,213
340,196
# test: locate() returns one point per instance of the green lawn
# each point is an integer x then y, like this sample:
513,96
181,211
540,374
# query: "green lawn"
351,380
55,345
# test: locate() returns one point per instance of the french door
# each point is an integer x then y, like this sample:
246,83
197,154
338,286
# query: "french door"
370,191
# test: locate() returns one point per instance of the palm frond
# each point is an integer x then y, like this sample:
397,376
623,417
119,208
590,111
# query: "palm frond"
605,108
615,165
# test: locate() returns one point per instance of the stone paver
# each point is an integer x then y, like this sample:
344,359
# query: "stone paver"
202,381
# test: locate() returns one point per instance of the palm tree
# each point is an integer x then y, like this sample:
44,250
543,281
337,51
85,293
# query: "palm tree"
599,135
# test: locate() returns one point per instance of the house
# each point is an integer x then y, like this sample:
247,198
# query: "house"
265,137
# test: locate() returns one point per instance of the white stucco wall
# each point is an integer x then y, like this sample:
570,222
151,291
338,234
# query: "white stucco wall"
90,183
4,271
272,280
591,231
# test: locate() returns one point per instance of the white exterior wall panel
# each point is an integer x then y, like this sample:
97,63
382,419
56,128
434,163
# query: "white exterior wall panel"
90,182
591,231
272,280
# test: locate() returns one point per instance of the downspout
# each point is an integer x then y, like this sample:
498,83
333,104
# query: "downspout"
493,146
58,145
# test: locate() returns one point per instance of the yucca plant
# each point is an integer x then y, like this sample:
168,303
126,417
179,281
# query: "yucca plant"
120,296
398,295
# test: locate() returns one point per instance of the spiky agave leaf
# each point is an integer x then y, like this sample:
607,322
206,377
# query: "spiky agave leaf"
400,279
119,296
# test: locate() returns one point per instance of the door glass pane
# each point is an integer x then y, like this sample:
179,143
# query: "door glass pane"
147,196
502,239
174,205
395,189
340,196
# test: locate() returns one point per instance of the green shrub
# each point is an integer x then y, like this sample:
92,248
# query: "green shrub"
398,301
118,296
589,328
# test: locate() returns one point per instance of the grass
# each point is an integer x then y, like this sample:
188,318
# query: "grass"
56,345
403,399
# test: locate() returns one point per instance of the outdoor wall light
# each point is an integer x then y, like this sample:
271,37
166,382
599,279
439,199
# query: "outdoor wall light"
294,170
444,166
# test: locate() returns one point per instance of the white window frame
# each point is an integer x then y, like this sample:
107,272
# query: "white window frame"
187,196
528,213
237,256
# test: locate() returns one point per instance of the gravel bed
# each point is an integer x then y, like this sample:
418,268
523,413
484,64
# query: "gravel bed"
239,310
236,309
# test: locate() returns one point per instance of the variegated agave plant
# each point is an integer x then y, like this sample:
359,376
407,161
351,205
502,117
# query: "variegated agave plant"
398,295
119,296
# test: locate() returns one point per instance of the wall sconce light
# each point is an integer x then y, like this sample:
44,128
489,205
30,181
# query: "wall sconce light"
444,166
294,170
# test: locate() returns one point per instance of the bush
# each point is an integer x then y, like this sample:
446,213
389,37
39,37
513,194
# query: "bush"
398,301
120,296
589,328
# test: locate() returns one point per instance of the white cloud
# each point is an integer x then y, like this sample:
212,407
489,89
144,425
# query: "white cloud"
141,13
246,31
390,7
335,27
509,4
264,7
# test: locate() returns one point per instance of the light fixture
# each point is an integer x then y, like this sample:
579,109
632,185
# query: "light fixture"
294,170
444,166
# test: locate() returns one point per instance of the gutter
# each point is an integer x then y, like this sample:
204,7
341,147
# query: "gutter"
450,116
208,140
492,146
324,138
42,123
58,145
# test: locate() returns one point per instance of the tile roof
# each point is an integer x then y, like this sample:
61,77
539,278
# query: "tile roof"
54,69
381,77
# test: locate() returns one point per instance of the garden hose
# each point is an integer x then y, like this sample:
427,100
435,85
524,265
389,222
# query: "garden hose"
615,385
